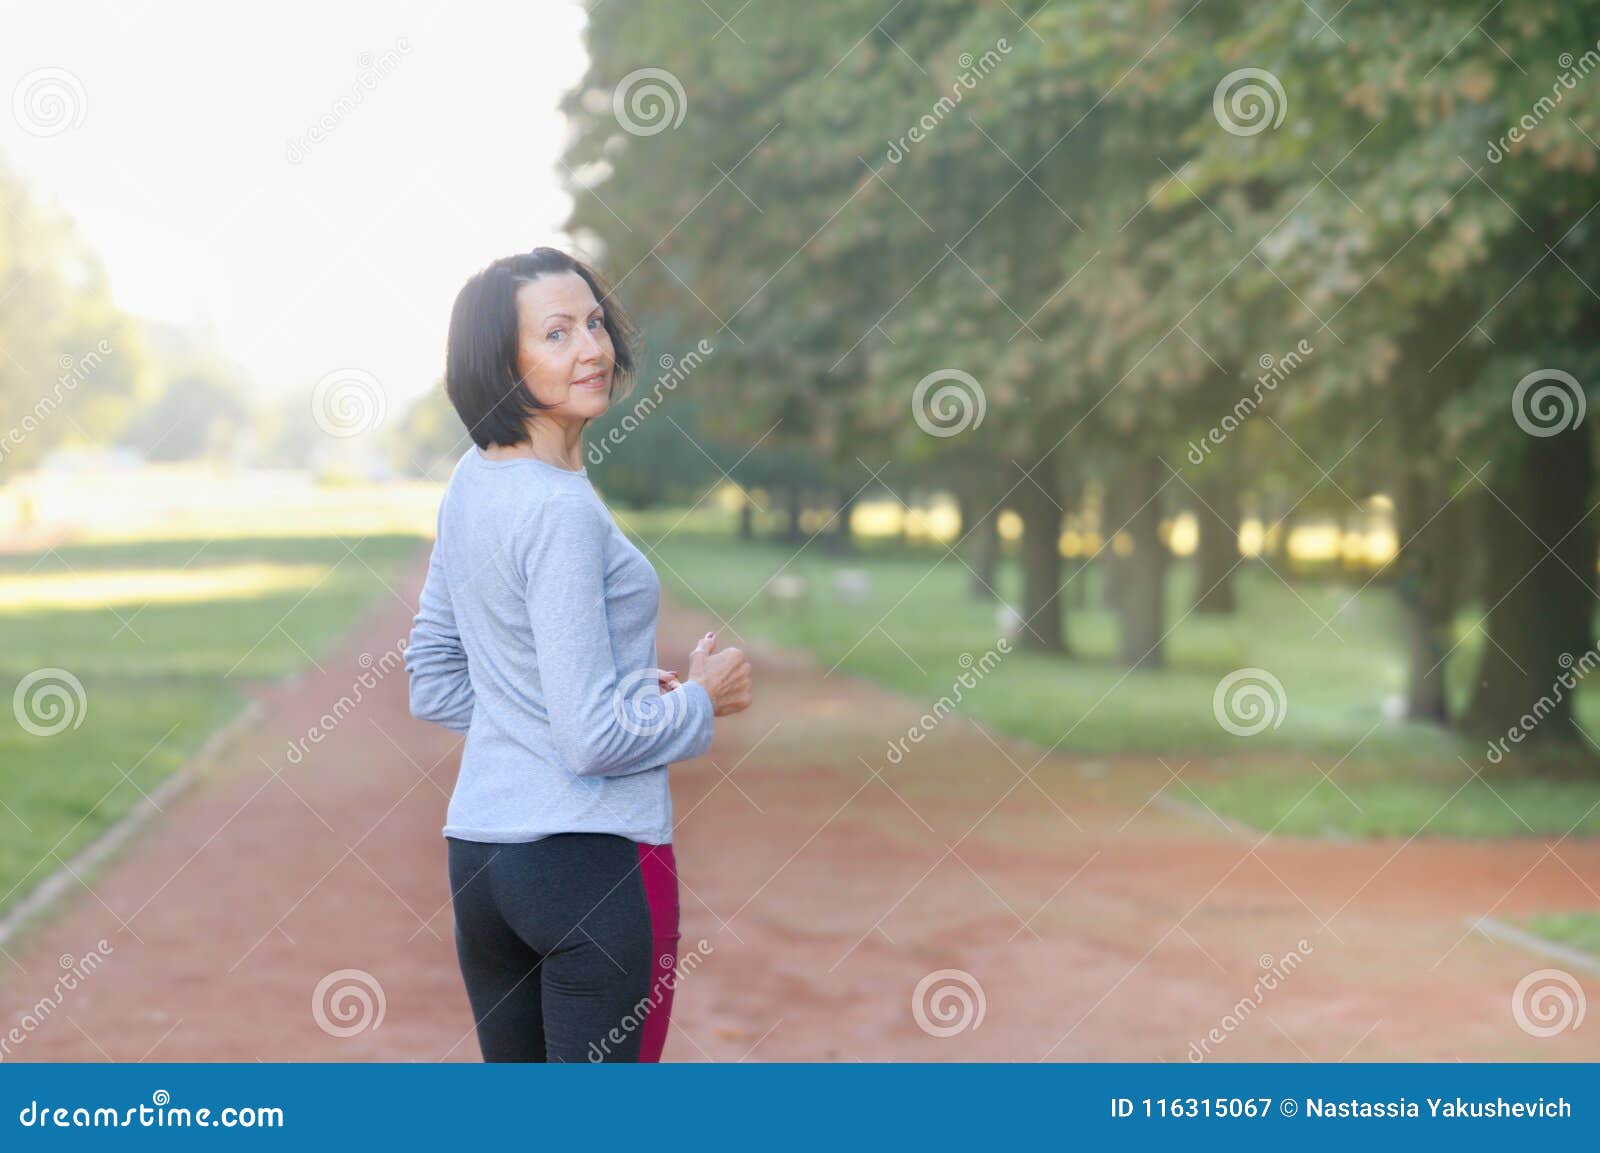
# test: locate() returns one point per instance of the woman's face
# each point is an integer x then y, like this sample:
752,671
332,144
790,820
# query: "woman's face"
564,352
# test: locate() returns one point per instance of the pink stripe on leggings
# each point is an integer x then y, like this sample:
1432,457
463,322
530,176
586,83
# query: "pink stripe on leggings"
659,868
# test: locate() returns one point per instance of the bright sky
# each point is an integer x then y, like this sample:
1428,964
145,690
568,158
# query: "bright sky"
179,172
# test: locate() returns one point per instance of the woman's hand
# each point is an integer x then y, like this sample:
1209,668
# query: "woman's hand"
725,676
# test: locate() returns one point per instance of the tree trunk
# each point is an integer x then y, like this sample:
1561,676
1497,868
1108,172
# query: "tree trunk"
838,539
1142,601
1431,526
1278,550
980,528
795,500
1217,555
747,518
1074,593
1044,629
1429,587
1114,513
1077,594
1540,585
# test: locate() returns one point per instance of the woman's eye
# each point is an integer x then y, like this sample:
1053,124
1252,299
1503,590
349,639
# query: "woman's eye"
596,322
552,334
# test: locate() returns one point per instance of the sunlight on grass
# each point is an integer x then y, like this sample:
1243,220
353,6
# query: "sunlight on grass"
28,592
1364,546
914,616
195,501
160,676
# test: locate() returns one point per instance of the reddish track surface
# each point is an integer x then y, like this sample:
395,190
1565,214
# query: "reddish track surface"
1097,926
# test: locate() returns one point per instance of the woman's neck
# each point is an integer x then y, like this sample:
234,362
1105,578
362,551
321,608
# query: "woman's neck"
553,444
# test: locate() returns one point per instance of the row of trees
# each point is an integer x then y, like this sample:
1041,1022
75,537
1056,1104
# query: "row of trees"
1120,220
75,370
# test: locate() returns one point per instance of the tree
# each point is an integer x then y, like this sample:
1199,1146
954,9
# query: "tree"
71,360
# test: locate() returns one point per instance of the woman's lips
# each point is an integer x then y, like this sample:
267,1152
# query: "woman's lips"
594,381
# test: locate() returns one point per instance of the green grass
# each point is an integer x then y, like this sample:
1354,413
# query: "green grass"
1575,930
1335,647
156,680
1380,797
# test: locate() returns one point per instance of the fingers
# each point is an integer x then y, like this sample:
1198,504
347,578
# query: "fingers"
725,675
702,650
733,681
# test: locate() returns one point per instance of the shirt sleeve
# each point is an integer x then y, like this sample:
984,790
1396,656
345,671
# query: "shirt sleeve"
605,721
436,662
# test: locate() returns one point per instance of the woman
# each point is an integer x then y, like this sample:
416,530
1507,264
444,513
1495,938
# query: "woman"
535,636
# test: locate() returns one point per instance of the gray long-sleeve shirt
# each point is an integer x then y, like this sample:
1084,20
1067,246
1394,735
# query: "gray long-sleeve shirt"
535,636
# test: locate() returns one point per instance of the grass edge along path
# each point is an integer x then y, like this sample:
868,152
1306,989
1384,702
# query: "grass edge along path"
160,684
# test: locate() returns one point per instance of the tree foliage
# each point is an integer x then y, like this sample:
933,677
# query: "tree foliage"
1119,220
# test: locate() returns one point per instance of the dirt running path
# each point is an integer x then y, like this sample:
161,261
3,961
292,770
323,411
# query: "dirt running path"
826,883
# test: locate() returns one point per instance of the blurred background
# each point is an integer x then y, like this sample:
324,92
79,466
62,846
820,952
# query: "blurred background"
1229,362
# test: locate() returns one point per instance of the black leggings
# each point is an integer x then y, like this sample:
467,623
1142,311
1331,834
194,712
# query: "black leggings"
568,945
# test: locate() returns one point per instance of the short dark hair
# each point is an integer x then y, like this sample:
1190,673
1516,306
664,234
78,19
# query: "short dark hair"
480,373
